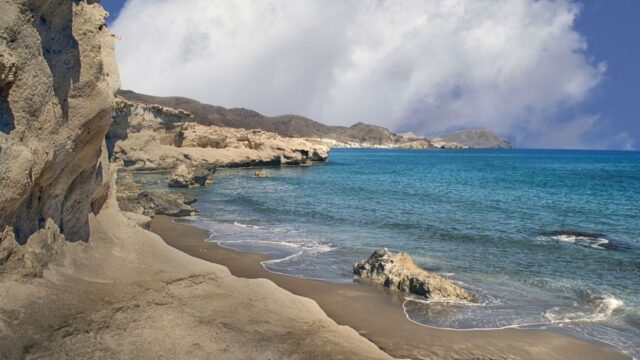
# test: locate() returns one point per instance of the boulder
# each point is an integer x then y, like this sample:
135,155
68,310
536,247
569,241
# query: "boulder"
188,175
164,203
398,271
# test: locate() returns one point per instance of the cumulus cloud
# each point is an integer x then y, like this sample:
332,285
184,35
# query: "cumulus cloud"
514,66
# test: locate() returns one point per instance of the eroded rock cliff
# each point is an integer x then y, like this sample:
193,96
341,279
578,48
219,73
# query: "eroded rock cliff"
121,292
57,80
154,137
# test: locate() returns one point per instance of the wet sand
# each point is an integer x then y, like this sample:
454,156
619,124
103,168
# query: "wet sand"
377,314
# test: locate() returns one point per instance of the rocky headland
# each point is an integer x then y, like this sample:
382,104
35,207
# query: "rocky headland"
359,135
154,137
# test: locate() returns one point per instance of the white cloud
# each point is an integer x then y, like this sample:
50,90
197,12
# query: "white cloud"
422,65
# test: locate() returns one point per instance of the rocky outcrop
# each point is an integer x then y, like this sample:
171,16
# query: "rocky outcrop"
399,272
133,199
443,144
57,79
417,144
474,138
188,175
121,292
152,137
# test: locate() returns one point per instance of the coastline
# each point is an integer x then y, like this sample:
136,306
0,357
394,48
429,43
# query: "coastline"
377,314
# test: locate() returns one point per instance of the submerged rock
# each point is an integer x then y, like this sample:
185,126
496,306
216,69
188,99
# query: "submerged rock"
260,173
399,272
188,175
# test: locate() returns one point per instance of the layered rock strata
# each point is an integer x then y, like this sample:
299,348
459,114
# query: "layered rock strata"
152,137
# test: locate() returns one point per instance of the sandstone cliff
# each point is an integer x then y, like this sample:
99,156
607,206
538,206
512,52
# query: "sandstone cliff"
120,292
153,137
58,80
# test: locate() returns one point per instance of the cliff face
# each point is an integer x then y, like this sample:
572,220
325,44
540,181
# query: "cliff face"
123,293
57,79
154,137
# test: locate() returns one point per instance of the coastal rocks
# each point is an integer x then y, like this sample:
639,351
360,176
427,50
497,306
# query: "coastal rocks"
399,272
444,144
56,97
30,259
165,203
417,144
188,175
153,137
474,138
135,200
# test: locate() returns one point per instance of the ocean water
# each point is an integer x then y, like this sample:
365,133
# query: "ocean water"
544,238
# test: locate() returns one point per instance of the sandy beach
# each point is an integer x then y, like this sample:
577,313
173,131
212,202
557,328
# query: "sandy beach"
377,314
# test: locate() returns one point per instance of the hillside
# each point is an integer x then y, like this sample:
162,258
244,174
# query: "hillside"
475,138
205,114
359,134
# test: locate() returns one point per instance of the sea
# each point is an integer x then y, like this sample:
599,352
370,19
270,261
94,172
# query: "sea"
545,239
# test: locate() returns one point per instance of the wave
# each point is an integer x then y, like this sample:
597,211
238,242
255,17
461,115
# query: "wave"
598,308
586,239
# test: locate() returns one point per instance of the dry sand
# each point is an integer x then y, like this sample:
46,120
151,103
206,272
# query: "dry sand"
377,314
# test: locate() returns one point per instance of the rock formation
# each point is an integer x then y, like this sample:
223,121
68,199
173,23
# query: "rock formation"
188,175
133,199
53,115
474,138
399,272
153,137
357,135
121,292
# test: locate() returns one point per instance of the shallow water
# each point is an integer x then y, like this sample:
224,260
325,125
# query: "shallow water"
544,238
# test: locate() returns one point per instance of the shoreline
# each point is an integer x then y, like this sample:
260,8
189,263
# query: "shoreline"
378,315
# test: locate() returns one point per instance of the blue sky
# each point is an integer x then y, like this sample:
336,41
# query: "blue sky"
610,107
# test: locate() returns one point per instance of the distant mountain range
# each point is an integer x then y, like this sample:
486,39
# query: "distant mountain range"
359,134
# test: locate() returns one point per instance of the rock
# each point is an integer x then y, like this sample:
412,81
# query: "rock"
153,137
188,175
260,173
164,203
399,272
139,219
32,258
444,144
133,199
474,138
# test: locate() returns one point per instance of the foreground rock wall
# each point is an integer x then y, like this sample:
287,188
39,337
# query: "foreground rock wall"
124,293
57,80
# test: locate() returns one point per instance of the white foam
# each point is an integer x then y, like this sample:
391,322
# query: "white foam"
594,242
604,308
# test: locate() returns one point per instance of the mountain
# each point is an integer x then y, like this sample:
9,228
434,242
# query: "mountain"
359,134
475,138
367,134
205,114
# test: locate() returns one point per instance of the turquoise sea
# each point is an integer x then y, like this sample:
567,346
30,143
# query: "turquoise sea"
544,238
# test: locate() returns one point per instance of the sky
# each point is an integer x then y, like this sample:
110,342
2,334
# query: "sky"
543,73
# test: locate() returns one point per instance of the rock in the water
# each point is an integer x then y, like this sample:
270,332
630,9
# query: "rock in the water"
133,199
164,203
398,271
260,173
188,175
